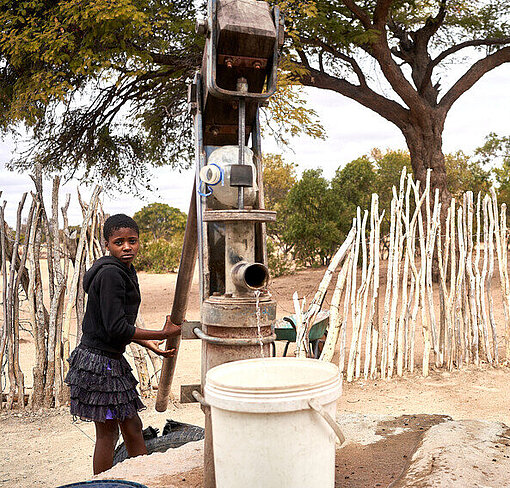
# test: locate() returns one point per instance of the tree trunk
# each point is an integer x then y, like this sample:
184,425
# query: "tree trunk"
425,149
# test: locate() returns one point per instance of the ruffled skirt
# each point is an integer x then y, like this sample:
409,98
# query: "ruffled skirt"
102,385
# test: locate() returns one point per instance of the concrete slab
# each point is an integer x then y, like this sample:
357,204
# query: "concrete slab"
418,451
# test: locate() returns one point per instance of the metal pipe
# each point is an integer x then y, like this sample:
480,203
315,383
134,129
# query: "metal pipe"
261,243
250,276
200,201
180,304
226,341
200,399
242,86
242,129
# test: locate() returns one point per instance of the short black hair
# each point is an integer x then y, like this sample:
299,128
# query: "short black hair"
116,222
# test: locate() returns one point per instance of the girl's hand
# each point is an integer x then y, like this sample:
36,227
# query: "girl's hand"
170,329
155,347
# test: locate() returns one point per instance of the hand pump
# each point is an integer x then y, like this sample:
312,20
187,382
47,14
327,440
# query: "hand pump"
238,74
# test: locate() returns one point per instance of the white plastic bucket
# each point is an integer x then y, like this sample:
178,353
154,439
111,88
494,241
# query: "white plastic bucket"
265,433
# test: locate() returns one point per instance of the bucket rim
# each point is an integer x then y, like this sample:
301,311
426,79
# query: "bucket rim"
215,377
277,397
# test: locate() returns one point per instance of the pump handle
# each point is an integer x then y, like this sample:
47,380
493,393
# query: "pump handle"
180,304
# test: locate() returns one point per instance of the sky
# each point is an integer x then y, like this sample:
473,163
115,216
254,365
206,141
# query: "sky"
352,131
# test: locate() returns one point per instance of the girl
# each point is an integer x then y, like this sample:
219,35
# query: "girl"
103,389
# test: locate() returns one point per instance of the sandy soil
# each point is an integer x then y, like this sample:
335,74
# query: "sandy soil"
48,449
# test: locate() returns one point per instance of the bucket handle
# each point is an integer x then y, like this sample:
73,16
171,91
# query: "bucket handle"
317,407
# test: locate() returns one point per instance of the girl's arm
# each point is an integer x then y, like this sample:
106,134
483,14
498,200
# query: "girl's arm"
154,346
168,330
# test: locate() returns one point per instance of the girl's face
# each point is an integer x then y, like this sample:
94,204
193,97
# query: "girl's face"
124,244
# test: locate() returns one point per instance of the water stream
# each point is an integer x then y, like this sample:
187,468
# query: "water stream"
258,315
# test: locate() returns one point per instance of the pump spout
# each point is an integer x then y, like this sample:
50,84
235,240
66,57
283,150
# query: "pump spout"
249,276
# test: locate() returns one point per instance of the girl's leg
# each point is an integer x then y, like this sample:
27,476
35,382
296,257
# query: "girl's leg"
107,433
133,438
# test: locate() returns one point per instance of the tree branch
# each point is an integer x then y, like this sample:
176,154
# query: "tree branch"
413,49
389,109
463,45
432,24
395,77
401,34
176,61
359,13
421,75
381,12
303,58
321,61
472,75
338,54
381,52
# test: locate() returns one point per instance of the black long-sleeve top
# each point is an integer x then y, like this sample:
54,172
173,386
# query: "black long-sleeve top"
112,306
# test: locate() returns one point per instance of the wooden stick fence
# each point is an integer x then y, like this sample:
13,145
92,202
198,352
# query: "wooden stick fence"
458,329
453,322
68,256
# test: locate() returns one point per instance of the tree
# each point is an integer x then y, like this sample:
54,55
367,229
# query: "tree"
464,175
353,48
159,255
101,86
311,219
352,187
498,148
161,220
279,178
388,168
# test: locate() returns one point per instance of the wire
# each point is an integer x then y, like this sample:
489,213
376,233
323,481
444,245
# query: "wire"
310,291
205,194
74,422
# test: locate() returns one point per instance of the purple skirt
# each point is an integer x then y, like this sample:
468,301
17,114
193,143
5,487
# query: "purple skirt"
102,385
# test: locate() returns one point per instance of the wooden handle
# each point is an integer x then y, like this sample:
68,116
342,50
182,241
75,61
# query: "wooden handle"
180,304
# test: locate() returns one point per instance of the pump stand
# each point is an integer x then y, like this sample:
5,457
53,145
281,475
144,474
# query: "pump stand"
238,74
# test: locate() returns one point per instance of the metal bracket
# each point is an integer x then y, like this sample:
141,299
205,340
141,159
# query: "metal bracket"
187,393
242,61
187,328
211,60
241,175
192,98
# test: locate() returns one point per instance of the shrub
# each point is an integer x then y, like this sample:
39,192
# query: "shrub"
159,255
280,263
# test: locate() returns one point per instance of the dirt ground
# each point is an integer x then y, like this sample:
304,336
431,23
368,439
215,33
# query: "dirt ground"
48,449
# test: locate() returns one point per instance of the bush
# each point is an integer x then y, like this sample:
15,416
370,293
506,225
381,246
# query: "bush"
280,263
159,255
